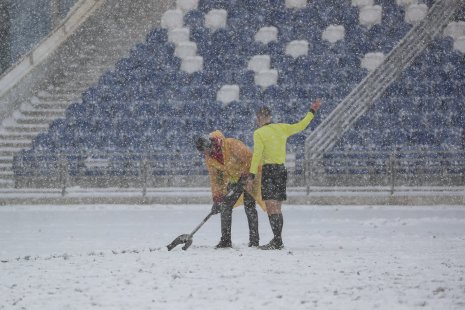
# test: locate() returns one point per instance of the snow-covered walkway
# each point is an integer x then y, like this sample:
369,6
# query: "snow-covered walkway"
336,257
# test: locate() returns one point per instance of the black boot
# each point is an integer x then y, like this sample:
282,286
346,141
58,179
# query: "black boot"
252,218
226,219
276,222
224,243
254,240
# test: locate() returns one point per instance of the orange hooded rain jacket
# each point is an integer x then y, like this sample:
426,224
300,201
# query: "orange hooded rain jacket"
236,162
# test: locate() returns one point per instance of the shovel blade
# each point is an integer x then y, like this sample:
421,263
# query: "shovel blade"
187,245
180,240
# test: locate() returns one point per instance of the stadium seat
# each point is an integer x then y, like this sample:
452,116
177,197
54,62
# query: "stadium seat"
275,55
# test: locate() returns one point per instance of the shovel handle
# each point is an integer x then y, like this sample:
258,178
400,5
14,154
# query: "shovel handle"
201,223
230,198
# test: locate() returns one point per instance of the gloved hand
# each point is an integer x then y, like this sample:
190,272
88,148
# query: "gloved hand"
237,186
243,179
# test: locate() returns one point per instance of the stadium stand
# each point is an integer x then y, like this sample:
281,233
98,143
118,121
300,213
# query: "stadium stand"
38,89
25,23
423,109
211,65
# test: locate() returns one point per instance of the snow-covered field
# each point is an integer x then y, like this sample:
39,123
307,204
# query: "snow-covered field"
344,257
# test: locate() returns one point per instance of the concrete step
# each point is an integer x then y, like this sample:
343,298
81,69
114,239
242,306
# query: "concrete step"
16,136
5,173
99,57
32,129
34,120
7,178
15,143
6,160
84,71
6,168
43,96
48,113
83,79
4,152
53,105
71,89
7,183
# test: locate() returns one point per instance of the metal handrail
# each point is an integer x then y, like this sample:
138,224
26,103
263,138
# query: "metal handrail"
389,167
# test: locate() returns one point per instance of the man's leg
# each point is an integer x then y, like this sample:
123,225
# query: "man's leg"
226,221
252,218
273,208
234,192
274,192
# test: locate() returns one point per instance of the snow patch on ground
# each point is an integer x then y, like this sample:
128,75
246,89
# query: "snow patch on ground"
336,257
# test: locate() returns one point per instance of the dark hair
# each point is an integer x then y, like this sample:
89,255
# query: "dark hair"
263,111
203,143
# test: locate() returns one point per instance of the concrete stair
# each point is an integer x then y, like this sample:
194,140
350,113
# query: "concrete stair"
94,48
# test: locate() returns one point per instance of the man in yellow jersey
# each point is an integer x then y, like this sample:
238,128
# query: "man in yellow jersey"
270,150
228,162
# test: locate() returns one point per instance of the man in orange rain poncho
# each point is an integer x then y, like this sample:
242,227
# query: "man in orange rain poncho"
228,163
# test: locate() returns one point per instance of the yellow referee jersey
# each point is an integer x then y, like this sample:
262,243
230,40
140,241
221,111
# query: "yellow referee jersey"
269,142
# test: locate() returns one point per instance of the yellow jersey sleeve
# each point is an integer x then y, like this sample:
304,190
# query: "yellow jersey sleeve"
292,129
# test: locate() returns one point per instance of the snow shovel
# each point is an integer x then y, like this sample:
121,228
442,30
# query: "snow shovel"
228,202
187,239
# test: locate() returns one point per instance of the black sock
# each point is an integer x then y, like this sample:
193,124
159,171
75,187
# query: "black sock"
276,222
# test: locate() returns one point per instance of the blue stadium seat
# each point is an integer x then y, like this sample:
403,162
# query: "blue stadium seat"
157,36
147,103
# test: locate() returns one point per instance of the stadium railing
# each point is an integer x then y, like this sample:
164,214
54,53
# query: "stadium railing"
391,169
161,169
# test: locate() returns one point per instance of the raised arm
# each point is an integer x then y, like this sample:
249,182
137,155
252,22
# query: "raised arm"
292,129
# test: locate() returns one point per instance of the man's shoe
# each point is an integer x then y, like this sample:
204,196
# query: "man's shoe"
253,244
272,245
224,244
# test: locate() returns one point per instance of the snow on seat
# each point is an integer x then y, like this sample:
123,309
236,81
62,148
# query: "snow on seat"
455,29
191,64
296,4
259,63
172,19
187,5
185,49
362,3
297,48
459,44
266,78
370,15
415,13
371,61
178,35
266,35
216,19
228,93
406,3
333,33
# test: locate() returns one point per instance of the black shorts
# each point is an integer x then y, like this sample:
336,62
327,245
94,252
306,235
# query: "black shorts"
274,179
